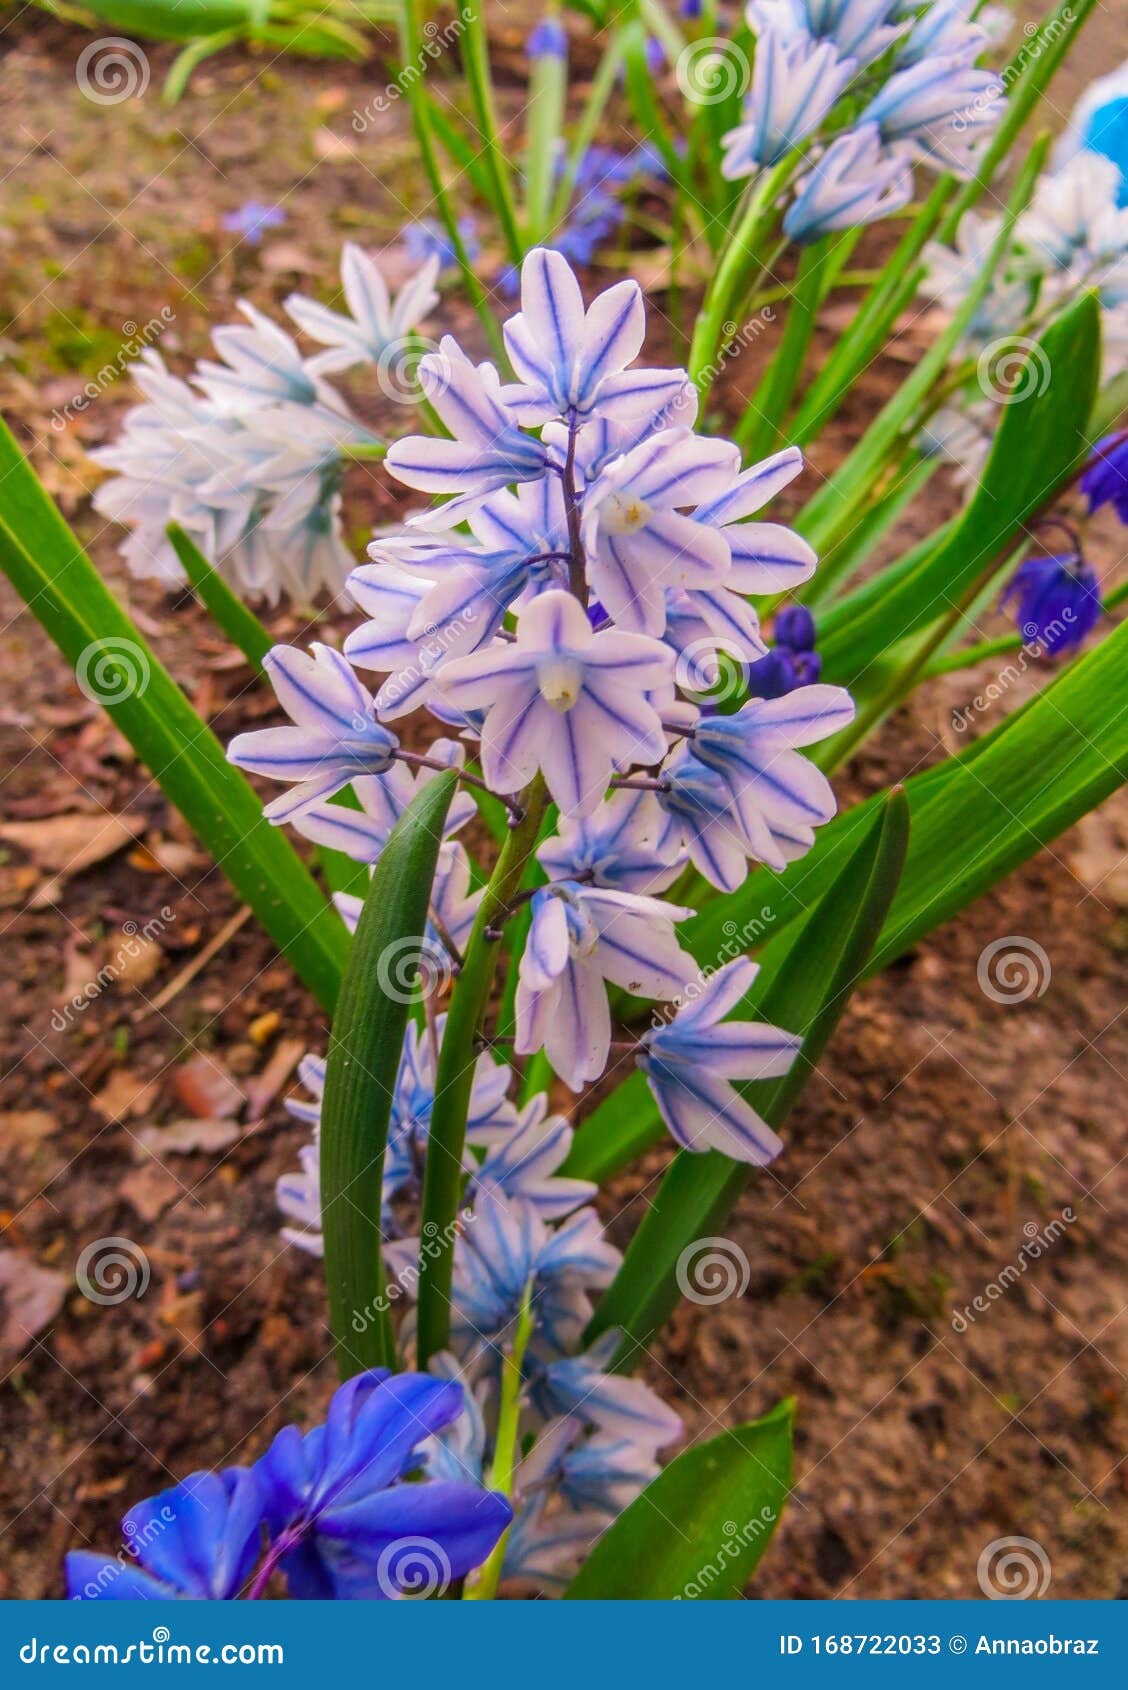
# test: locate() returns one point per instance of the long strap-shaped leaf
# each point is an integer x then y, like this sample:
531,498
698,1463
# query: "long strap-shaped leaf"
699,1530
50,570
805,982
974,819
1040,442
360,1078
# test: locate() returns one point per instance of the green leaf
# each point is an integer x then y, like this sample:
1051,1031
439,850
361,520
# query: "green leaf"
360,1078
1040,443
699,1530
805,981
241,626
48,567
974,817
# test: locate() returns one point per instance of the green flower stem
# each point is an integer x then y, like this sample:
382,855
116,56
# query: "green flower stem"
413,56
971,655
602,87
477,66
759,427
544,120
504,1465
365,452
442,1179
738,258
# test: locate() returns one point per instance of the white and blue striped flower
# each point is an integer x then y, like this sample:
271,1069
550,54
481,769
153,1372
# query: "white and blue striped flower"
564,700
571,361
795,83
487,450
334,736
581,937
691,1062
937,107
376,324
857,180
861,30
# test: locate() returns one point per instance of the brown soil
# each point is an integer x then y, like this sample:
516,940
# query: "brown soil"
943,1130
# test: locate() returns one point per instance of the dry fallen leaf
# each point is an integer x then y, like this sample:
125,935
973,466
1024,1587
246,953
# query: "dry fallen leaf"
66,844
30,1298
124,1093
182,1138
150,1189
264,1088
205,1087
135,958
332,148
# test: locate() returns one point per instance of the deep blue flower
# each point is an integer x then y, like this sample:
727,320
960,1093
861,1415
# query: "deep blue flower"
548,40
773,676
1057,601
795,628
251,219
341,1519
428,239
198,1540
1105,481
345,1524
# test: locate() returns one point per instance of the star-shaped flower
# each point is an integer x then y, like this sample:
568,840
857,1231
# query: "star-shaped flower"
690,1064
564,700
